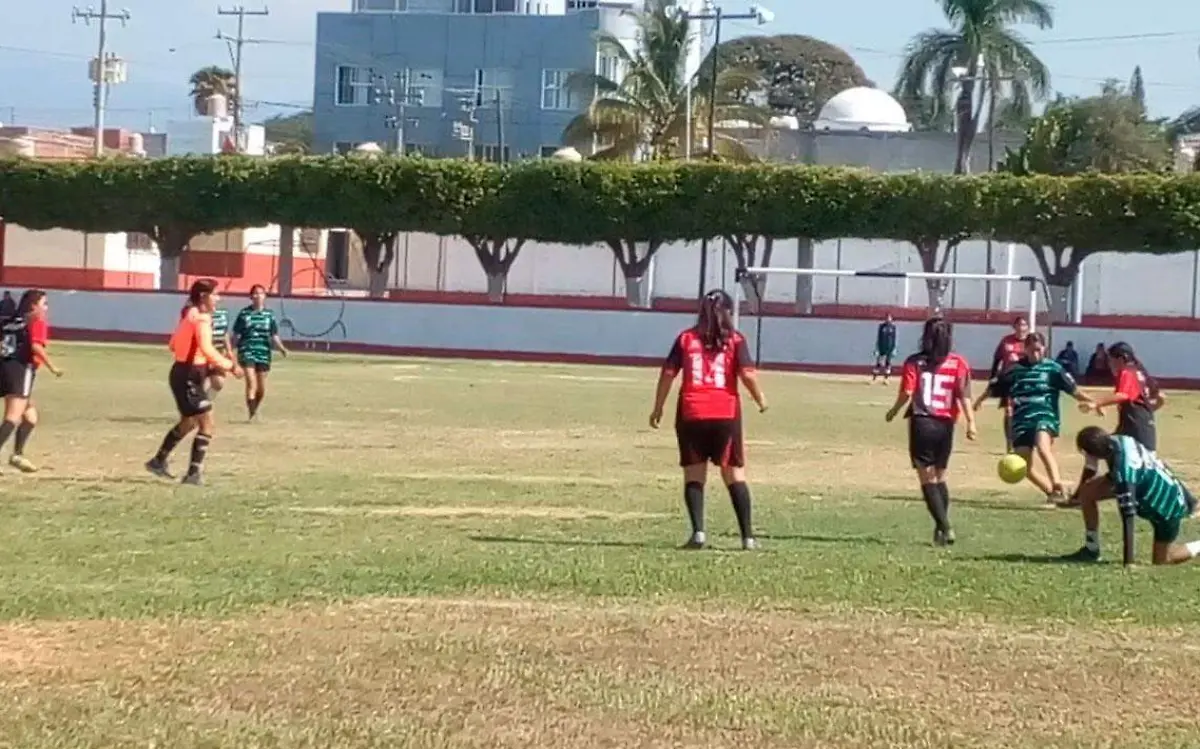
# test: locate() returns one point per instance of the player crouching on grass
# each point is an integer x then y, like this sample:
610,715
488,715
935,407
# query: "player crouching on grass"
1143,487
712,357
935,384
1032,386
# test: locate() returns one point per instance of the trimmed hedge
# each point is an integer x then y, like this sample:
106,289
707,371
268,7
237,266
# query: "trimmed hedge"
591,202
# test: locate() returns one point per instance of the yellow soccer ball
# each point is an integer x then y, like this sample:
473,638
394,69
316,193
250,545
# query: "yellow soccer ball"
1012,469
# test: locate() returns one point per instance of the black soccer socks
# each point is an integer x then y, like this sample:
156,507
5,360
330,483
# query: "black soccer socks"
739,495
935,504
169,443
693,499
199,450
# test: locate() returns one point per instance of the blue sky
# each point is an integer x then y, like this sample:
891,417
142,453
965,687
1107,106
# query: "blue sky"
43,57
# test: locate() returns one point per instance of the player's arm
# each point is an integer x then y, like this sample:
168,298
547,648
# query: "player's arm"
205,344
997,360
276,341
40,338
997,387
1127,503
1064,382
666,376
1128,389
905,390
748,374
237,330
964,402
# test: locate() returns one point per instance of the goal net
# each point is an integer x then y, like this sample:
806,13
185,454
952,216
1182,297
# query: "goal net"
975,299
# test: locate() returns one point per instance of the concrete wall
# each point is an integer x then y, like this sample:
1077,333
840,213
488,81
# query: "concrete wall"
575,334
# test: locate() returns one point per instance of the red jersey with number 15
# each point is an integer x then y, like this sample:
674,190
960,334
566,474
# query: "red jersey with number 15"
710,378
936,389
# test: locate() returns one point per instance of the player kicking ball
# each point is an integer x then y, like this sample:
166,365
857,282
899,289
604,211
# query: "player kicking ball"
1144,487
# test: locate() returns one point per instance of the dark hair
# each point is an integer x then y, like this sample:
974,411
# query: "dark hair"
28,300
1123,351
714,324
936,339
201,288
1035,338
1094,441
258,287
1019,321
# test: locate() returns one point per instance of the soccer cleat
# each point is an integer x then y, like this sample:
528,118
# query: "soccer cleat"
192,479
749,544
22,464
158,468
696,541
940,538
1083,555
950,538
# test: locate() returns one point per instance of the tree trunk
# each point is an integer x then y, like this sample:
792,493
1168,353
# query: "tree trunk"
379,250
172,242
745,250
1060,269
931,262
966,118
637,288
496,256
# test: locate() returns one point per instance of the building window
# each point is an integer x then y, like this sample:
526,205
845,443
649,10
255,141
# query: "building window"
580,4
506,6
485,6
353,86
345,147
379,6
493,85
555,93
463,6
488,152
425,88
610,67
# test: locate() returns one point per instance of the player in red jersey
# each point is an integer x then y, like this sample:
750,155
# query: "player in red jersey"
712,357
1137,398
935,384
1010,349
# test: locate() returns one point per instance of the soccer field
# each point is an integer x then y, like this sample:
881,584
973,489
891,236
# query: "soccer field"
457,554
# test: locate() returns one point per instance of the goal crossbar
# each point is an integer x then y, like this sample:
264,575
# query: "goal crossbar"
1032,282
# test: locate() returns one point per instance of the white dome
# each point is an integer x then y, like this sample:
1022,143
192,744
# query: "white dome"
862,108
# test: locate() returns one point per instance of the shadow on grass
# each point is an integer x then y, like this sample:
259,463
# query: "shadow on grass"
815,539
95,480
163,418
572,542
1030,559
975,504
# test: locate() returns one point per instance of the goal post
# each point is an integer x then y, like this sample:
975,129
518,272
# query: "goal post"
1032,283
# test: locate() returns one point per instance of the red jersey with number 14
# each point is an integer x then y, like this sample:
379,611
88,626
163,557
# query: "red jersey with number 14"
710,378
936,389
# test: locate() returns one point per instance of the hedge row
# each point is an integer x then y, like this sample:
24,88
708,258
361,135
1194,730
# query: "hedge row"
588,203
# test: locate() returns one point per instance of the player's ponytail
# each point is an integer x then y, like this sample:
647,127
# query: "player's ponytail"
1124,352
29,300
937,338
714,323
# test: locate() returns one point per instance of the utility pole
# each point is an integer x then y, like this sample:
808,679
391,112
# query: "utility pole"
502,158
463,129
239,41
398,94
101,67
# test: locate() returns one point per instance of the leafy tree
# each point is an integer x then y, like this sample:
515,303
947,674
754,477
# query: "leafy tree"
799,73
644,114
290,134
1106,133
982,42
211,81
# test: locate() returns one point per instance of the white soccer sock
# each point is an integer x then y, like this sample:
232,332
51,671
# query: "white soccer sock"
1193,549
1092,541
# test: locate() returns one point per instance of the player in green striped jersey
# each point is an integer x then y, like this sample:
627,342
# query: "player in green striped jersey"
1032,386
220,337
256,334
1144,487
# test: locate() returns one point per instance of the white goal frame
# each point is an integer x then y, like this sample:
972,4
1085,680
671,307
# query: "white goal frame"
1033,283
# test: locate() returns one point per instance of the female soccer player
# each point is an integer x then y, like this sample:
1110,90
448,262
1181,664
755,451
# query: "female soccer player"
195,356
1144,487
1010,349
220,332
1137,398
1032,386
713,357
255,333
23,341
935,384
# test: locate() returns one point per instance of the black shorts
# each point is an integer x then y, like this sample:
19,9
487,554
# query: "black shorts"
716,441
187,387
16,379
930,442
1146,434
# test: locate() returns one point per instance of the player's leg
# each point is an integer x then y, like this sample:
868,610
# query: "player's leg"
1006,407
1044,445
14,410
690,437
216,383
924,445
250,376
887,368
1023,444
945,450
1089,496
261,370
1166,550
190,404
732,461
200,443
25,429
877,369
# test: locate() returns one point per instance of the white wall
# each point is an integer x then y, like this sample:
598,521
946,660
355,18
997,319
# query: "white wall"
500,332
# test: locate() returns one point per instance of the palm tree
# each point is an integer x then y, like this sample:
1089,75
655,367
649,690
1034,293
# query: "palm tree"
994,57
211,81
644,114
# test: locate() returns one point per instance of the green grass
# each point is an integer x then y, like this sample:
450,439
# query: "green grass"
505,536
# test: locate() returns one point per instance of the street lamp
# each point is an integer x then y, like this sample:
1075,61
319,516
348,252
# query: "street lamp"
759,15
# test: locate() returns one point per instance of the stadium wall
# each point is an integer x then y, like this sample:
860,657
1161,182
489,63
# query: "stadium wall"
581,335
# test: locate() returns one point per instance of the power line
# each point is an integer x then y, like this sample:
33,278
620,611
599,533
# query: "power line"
101,75
240,41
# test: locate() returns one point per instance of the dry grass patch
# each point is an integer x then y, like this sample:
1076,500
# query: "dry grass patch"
446,511
520,674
